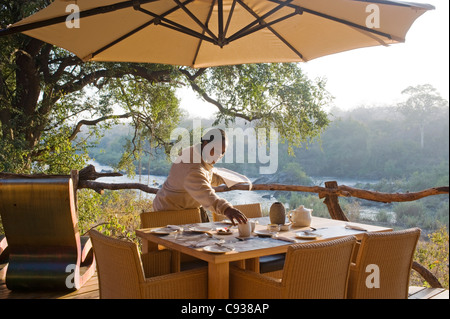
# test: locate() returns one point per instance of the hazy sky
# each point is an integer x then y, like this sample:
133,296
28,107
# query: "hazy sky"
376,76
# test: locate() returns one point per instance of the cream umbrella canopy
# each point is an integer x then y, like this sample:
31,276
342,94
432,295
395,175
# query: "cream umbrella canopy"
205,33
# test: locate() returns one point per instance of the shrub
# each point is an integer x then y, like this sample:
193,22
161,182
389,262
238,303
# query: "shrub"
115,213
433,254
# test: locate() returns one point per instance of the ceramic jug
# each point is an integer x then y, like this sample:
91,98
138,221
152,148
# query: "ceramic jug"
300,217
277,213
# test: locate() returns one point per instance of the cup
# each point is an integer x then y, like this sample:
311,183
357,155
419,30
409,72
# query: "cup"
252,225
244,229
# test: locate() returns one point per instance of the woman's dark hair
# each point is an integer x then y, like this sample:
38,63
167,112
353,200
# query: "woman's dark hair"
209,136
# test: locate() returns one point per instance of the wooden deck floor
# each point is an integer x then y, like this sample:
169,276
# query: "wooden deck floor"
90,291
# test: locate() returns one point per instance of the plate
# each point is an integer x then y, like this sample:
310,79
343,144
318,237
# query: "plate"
264,233
200,229
217,249
307,235
163,231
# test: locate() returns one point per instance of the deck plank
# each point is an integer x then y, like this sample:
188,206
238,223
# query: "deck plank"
442,295
426,293
90,291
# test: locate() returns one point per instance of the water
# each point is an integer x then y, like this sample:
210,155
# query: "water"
266,198
234,197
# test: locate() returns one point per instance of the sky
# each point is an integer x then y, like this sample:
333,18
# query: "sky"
375,76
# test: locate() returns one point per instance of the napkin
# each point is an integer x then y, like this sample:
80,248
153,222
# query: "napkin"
232,178
291,240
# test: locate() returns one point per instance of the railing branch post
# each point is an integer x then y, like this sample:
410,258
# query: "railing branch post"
332,203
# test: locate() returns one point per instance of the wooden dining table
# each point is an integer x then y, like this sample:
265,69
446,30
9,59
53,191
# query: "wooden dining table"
197,240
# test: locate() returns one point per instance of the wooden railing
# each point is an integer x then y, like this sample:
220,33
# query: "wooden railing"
86,177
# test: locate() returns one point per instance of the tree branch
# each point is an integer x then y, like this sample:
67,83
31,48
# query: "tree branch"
206,97
95,122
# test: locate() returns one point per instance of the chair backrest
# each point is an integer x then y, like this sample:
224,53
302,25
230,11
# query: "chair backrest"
40,222
119,267
383,265
39,212
172,217
249,210
318,270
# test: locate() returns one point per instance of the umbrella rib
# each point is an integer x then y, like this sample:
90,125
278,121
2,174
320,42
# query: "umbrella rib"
61,19
279,36
152,21
258,19
229,18
200,40
326,16
261,26
196,20
176,26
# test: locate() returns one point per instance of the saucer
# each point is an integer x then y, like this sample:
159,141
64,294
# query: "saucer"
218,249
200,229
264,233
163,231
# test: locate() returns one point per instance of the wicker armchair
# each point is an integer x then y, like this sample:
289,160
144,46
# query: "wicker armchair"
316,270
392,253
176,217
123,274
40,221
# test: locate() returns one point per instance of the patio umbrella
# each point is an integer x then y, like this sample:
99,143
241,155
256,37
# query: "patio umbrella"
204,33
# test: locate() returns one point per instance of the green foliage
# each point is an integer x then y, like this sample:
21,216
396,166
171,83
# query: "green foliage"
376,143
273,95
433,254
115,213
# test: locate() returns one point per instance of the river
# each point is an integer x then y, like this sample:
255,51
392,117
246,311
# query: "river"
266,198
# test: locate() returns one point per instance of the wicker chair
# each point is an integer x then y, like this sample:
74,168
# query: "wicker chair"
40,221
173,217
176,217
392,253
123,274
316,270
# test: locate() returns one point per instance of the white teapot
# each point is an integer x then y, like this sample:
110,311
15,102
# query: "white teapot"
300,217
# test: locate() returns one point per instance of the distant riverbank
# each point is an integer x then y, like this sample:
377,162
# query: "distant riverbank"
266,198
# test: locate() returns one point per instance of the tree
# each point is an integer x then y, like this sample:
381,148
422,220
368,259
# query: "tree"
48,95
420,106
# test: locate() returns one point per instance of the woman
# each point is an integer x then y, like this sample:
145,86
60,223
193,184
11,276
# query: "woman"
191,180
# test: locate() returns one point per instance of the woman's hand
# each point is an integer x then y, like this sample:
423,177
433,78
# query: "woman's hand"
235,214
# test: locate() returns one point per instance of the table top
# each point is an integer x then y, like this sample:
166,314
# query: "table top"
193,243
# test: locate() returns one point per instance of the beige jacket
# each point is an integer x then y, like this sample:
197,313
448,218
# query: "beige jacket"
189,185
